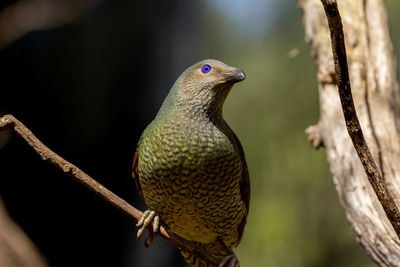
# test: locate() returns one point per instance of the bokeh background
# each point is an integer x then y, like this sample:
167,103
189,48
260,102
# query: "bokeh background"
90,81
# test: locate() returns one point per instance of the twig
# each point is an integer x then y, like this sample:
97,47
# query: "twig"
10,122
353,125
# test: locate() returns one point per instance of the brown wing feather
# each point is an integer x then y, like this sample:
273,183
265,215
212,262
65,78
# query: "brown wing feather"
135,173
244,186
244,182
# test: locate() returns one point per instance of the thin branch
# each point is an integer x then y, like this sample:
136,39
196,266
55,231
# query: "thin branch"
10,122
353,125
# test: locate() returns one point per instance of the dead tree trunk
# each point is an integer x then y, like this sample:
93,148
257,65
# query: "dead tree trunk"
16,249
373,74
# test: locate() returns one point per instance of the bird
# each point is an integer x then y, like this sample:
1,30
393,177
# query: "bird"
190,167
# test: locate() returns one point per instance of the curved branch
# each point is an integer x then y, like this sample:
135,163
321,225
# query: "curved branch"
352,123
10,122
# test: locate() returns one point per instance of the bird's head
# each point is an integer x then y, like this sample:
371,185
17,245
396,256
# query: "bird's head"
203,87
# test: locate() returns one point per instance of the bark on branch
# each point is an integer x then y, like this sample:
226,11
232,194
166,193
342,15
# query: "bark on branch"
371,210
10,122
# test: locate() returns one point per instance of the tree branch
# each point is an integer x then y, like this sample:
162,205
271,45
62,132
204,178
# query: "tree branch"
352,123
10,122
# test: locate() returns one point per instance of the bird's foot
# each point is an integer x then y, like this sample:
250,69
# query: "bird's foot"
230,261
148,217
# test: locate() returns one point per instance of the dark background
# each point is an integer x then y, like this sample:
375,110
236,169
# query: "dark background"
87,89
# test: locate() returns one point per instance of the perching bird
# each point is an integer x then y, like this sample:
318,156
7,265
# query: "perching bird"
190,167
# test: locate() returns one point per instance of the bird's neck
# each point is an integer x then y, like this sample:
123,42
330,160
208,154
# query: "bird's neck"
192,110
200,108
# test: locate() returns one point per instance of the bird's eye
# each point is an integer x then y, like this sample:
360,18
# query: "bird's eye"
206,68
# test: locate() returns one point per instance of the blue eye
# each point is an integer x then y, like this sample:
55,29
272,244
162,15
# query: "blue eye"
206,68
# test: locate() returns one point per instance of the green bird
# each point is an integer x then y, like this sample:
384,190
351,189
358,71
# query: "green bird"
190,167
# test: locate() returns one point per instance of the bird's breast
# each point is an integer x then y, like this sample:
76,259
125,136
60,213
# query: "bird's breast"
188,155
190,177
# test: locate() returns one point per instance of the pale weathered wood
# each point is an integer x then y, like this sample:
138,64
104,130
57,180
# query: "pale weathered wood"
373,70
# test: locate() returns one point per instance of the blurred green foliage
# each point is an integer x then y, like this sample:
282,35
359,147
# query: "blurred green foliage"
295,217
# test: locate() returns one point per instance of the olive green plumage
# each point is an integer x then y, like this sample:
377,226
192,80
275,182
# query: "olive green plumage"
190,166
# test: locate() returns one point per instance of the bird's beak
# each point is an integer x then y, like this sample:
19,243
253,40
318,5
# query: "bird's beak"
234,76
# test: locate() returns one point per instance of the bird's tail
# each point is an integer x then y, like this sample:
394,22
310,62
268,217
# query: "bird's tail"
193,261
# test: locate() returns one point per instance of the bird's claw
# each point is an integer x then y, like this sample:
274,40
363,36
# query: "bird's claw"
230,261
148,217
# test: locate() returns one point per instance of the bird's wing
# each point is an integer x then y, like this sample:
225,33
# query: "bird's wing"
244,186
135,173
244,182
